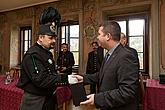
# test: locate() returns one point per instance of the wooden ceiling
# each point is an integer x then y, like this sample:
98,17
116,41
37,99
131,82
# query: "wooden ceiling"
8,5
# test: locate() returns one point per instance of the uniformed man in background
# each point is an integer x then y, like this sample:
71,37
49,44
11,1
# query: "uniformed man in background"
39,79
94,62
65,60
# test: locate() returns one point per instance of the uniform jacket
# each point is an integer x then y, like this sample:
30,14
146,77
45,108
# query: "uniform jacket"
66,60
38,76
94,62
42,80
118,80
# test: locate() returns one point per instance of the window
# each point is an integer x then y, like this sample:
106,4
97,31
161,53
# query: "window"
70,35
25,40
135,28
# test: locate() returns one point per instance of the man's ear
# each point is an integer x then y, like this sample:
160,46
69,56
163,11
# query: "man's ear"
108,36
40,37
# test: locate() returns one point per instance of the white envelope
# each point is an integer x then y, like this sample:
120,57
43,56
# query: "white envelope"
72,79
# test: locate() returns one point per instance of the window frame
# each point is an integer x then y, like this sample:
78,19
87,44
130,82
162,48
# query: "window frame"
22,40
67,40
145,16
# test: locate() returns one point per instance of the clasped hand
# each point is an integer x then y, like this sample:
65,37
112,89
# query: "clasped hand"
89,101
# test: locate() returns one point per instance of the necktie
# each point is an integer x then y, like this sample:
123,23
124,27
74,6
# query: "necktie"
106,57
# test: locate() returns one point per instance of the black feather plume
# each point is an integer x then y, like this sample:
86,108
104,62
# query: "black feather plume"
50,15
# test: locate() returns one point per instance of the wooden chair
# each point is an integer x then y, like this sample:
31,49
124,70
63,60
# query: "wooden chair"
14,73
142,87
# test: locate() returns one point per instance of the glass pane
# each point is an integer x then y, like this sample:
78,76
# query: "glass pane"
63,41
140,55
136,27
74,30
26,34
29,44
74,44
29,34
136,43
25,46
76,57
123,26
63,32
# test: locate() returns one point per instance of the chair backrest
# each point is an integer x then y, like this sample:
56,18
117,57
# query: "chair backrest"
13,72
141,81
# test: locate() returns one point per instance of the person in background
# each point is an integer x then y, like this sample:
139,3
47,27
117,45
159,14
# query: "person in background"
124,42
39,78
94,62
65,60
118,75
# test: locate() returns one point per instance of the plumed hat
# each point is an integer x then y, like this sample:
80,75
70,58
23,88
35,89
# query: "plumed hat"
49,22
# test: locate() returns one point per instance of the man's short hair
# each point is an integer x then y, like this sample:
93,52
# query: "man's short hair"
124,36
64,44
113,28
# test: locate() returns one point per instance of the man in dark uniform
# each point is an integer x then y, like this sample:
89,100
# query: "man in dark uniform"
39,79
65,61
95,59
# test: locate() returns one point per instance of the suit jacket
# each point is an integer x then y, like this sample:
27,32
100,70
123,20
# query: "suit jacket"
118,80
135,53
39,79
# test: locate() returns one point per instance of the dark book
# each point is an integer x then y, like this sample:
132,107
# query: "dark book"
78,93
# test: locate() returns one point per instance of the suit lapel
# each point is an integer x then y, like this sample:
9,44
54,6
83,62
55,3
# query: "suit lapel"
108,63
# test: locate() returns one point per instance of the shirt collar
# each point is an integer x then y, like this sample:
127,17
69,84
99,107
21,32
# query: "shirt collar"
112,49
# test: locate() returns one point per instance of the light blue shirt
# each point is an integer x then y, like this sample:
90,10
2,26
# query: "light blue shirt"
109,53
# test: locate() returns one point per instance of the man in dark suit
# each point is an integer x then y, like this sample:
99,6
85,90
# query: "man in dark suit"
118,76
124,42
65,60
95,59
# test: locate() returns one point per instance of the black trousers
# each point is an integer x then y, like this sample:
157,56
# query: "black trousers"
50,103
92,88
35,102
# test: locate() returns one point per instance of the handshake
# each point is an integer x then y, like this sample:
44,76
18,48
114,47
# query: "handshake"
72,79
69,79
